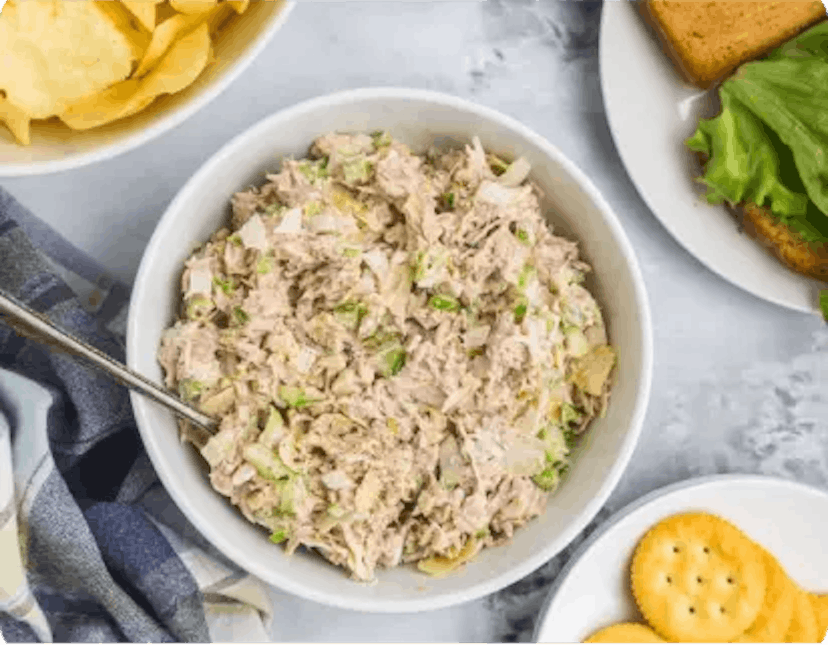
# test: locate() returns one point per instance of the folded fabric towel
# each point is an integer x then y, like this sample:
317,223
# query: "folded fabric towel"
91,546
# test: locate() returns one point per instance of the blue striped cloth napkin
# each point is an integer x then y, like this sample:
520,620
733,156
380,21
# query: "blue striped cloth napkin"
92,548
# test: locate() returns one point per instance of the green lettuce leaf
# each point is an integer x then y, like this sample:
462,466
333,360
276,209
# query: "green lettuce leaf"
743,163
769,143
809,44
790,97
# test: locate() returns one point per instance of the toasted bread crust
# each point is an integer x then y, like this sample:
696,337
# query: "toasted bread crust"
709,40
785,243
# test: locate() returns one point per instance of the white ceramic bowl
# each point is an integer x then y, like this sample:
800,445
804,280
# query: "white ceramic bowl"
55,147
418,118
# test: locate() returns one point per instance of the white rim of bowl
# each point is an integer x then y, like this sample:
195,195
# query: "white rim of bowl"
340,100
641,502
163,124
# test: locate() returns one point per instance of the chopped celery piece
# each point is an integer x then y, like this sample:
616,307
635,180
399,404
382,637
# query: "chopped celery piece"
356,170
444,303
275,209
313,208
394,361
273,428
240,316
570,414
295,397
199,307
220,402
548,479
497,164
277,537
264,265
523,236
266,462
314,170
381,139
526,275
227,286
350,313
287,501
189,389
382,340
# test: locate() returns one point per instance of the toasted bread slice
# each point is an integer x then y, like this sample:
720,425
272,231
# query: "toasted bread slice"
709,40
785,243
780,239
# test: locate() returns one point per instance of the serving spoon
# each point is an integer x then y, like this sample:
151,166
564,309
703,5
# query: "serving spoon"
33,325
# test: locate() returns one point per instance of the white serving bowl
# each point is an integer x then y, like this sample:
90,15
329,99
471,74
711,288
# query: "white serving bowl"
55,147
575,208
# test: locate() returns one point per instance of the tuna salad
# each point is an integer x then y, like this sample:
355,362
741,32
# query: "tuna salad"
401,353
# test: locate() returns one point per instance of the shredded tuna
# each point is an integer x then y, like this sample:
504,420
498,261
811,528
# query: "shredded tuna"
400,349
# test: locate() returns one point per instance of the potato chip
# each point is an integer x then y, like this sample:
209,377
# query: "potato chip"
190,7
144,11
54,53
179,67
137,35
16,120
164,12
239,5
163,37
222,15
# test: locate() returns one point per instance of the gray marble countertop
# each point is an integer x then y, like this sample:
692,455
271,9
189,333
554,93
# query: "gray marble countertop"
740,385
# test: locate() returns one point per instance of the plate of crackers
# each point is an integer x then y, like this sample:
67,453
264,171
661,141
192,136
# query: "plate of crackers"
728,558
665,67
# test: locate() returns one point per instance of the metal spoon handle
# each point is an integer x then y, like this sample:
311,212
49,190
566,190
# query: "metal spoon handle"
37,327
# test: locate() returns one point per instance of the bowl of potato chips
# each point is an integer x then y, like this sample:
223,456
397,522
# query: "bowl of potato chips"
86,80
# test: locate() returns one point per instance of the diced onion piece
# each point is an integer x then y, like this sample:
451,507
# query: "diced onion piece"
253,234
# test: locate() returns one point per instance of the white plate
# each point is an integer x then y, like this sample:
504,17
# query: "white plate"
593,590
651,111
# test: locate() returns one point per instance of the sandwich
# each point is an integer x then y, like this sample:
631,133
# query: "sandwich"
707,41
765,154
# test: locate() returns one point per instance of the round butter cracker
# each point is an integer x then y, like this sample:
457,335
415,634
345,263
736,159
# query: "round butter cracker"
803,628
698,578
625,633
775,616
820,604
